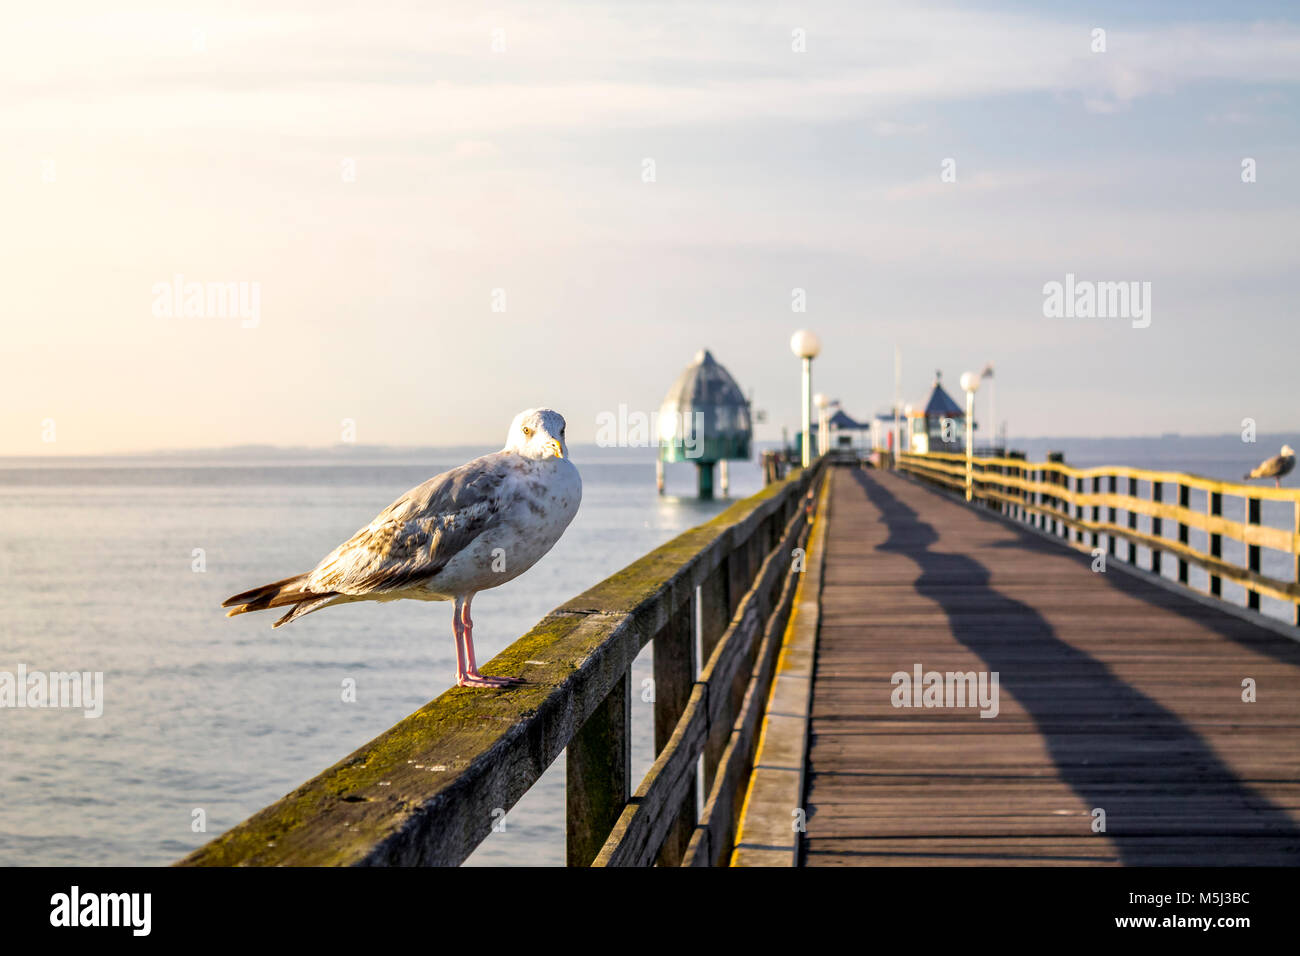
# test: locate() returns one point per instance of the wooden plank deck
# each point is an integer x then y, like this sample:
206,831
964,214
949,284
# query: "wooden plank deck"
1115,694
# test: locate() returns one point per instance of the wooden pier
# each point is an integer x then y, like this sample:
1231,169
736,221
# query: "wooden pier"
1137,721
430,789
1116,694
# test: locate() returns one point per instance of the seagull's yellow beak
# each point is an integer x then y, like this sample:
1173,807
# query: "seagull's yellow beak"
554,445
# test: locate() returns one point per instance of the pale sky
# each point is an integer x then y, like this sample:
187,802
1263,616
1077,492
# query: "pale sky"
218,144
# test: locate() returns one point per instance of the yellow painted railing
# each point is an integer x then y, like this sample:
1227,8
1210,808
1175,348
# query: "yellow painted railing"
1081,504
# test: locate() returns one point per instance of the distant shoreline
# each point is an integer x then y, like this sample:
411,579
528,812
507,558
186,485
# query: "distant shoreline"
354,453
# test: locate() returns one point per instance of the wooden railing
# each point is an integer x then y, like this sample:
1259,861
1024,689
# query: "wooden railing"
1082,504
431,788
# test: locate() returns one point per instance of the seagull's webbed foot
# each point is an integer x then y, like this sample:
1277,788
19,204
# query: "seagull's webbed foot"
476,679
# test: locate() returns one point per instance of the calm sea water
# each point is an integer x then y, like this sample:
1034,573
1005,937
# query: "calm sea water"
201,712
227,715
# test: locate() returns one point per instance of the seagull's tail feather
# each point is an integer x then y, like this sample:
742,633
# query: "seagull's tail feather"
1249,474
255,599
306,607
279,594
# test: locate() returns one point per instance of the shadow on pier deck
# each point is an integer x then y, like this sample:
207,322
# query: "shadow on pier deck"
1117,695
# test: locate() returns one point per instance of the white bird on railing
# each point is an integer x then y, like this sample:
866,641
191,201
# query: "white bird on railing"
464,531
1275,467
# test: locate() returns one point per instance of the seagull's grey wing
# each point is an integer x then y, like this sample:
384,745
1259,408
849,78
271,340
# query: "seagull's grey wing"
412,539
1270,468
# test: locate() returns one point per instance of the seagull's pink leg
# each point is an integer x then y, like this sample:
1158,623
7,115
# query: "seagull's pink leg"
468,624
471,677
467,674
459,630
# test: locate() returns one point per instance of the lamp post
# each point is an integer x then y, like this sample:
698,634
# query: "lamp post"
821,401
898,405
806,345
896,437
970,383
987,372
831,408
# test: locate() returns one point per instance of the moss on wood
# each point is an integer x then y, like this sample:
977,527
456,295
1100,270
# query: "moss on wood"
457,755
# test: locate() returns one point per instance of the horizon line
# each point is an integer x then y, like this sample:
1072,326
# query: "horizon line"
343,447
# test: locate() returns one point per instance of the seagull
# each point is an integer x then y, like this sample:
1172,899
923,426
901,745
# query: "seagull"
1275,467
464,531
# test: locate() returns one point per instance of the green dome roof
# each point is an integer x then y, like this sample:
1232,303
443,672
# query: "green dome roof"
709,412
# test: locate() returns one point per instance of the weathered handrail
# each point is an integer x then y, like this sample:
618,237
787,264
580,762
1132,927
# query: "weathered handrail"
429,790
718,721
1054,496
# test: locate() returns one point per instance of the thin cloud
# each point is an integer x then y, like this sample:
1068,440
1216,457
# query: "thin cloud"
644,67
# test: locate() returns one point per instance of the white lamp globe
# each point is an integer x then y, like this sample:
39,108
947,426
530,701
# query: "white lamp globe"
820,400
970,382
805,344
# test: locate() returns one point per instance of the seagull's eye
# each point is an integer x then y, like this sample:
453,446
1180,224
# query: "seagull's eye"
528,432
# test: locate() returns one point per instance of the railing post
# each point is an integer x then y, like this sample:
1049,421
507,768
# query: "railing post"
715,615
1157,525
1072,484
1048,523
1063,506
598,772
1068,508
1295,551
1032,497
1214,505
1184,501
1049,503
1053,503
1018,509
1132,522
1026,498
1112,514
1080,510
1059,526
1096,510
1056,525
675,673
1039,498
1252,553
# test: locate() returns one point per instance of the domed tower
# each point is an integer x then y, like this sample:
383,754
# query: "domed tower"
704,419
